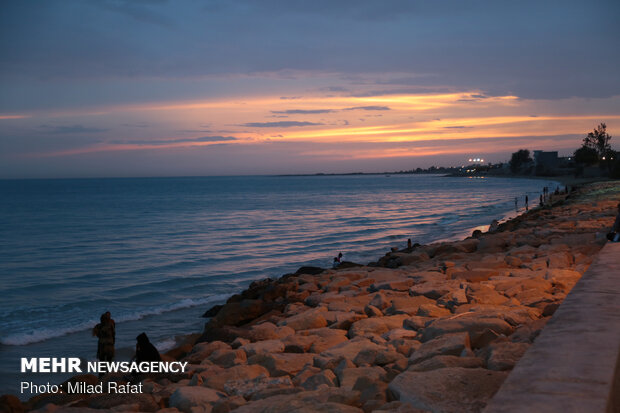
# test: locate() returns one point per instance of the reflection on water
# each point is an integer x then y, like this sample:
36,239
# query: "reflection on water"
151,249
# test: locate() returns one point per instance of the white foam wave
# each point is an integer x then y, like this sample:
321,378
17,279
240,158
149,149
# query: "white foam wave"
165,345
43,334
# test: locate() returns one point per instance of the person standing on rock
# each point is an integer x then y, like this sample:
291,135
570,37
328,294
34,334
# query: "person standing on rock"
105,331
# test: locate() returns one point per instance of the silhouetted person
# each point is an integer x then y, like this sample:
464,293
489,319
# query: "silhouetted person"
335,263
526,203
614,235
541,200
105,331
409,243
145,351
516,204
339,257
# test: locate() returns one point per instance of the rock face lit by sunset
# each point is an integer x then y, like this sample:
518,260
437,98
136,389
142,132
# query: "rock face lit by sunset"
155,88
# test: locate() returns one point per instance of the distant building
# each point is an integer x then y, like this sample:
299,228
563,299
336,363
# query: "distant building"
545,160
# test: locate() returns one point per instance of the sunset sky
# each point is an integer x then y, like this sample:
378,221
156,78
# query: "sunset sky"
94,88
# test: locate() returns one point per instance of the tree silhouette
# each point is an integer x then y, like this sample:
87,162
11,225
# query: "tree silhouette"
586,156
518,159
598,140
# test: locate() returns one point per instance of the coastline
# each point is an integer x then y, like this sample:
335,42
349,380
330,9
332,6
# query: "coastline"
365,329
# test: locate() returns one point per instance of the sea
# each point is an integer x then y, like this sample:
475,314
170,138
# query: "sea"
158,252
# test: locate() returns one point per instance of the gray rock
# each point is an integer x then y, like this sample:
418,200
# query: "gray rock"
185,398
452,389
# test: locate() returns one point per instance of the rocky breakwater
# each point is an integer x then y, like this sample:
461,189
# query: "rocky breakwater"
433,328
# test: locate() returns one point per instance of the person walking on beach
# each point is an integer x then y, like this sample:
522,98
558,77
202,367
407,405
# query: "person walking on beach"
516,204
526,203
105,331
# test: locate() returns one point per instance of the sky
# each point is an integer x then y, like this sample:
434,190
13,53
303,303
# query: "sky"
113,88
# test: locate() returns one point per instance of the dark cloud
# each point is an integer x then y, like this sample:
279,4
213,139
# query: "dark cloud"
318,111
368,108
195,131
136,125
144,11
173,141
282,124
531,49
71,129
303,111
334,89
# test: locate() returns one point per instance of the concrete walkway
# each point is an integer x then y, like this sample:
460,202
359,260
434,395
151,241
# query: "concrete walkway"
574,365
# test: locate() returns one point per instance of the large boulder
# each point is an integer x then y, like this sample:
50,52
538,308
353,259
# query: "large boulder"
140,401
325,400
188,397
351,349
376,325
228,358
202,351
431,310
484,294
434,289
280,364
453,299
268,331
475,275
514,315
407,305
347,377
219,380
452,389
470,323
240,312
259,387
11,404
266,346
443,361
342,319
448,344
503,355
563,277
393,285
309,319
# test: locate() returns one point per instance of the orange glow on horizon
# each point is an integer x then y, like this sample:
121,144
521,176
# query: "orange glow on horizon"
2,117
315,119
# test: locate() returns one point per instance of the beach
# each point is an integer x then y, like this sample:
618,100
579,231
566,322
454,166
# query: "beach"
434,327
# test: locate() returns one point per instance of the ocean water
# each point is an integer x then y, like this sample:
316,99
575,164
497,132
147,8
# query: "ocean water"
158,252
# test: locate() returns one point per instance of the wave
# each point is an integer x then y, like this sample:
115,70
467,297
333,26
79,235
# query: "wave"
165,345
43,334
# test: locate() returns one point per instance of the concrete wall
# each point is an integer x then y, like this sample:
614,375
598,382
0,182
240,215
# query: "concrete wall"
573,366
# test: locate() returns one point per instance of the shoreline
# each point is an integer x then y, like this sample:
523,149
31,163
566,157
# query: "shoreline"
325,314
